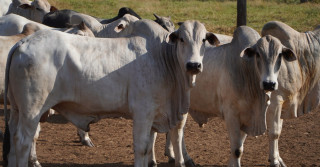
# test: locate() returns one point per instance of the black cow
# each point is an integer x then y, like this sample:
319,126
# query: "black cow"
121,13
62,18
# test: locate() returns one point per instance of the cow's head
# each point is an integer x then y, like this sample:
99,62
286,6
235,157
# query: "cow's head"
268,53
190,40
164,22
122,26
37,9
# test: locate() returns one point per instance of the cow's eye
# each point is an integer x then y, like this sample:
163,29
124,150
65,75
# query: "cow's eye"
38,9
278,63
181,40
204,40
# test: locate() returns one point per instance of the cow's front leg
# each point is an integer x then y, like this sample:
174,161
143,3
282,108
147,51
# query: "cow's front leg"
187,160
237,138
142,123
170,153
274,123
176,139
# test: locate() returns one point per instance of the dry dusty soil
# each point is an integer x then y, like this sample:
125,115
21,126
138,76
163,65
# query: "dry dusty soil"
58,145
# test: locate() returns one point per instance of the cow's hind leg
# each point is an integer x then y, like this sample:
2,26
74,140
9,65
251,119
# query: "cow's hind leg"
274,123
84,138
23,138
152,162
168,150
33,160
9,144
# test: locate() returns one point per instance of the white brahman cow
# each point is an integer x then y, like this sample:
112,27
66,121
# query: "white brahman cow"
7,42
235,85
119,28
223,39
298,82
85,79
13,24
32,10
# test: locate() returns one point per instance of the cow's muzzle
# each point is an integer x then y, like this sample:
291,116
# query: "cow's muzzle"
269,85
193,68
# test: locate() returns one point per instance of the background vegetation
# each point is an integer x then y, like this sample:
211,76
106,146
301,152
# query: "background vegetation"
219,16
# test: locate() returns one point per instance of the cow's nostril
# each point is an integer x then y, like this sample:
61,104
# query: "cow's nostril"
268,85
189,66
199,66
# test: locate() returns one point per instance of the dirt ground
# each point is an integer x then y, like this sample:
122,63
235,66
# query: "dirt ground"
59,145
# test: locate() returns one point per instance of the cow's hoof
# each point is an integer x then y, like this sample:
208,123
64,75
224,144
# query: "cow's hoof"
87,142
34,164
282,163
190,163
152,164
275,165
5,163
171,160
278,164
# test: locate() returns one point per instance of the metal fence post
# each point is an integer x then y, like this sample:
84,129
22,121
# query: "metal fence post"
241,12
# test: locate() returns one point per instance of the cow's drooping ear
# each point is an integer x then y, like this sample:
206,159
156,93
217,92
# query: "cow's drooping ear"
52,9
173,38
212,39
248,53
288,54
121,26
25,6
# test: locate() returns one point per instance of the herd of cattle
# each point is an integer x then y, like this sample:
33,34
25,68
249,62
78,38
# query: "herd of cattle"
152,73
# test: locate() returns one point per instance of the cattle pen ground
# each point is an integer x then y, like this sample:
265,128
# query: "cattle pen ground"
58,145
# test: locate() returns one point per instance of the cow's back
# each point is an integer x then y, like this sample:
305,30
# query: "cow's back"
59,18
13,24
4,6
76,68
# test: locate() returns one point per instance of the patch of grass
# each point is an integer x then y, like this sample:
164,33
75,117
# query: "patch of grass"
219,16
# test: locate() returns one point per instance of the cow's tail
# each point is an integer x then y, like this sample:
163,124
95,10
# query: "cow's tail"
6,140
